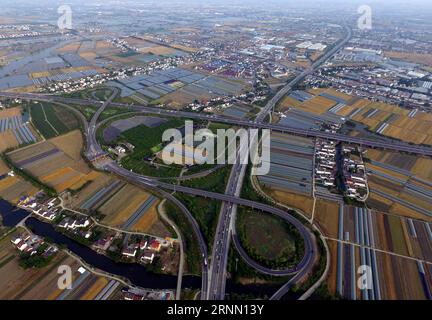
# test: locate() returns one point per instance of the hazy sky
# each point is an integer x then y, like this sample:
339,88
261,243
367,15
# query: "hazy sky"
390,5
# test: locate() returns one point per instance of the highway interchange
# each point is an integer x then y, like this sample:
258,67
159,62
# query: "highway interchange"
214,269
94,150
395,145
227,216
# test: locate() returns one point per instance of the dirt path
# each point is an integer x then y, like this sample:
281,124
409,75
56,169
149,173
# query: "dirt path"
47,121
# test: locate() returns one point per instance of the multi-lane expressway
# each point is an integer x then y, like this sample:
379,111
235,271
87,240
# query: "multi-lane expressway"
227,217
395,145
93,148
310,252
94,151
231,199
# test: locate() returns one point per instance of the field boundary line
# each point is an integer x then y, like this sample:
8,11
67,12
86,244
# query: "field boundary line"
47,121
380,250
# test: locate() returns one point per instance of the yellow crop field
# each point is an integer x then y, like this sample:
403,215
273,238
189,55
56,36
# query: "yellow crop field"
121,216
377,155
184,48
360,104
345,111
374,196
360,115
371,123
3,168
56,174
327,217
412,136
123,204
423,168
338,94
423,58
93,175
7,182
30,151
421,202
421,126
332,275
315,91
147,220
405,134
41,74
12,192
400,210
317,105
388,172
423,116
417,130
428,140
69,182
70,143
389,108
290,102
7,140
103,45
301,202
158,50
89,55
375,186
401,121
95,289
10,112
393,131
381,115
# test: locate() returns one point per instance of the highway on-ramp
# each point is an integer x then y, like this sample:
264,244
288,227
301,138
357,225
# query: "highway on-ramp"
310,252
394,145
227,217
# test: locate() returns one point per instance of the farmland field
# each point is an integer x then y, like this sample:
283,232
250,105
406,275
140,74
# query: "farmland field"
122,205
153,137
56,162
268,238
51,120
13,188
326,216
143,148
400,184
151,223
15,129
17,283
379,118
42,284
293,200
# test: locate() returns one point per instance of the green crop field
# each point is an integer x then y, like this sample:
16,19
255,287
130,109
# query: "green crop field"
268,239
52,121
145,139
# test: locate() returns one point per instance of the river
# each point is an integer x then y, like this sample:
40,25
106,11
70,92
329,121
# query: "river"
136,273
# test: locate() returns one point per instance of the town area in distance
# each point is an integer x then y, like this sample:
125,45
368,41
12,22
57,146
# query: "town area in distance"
229,151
